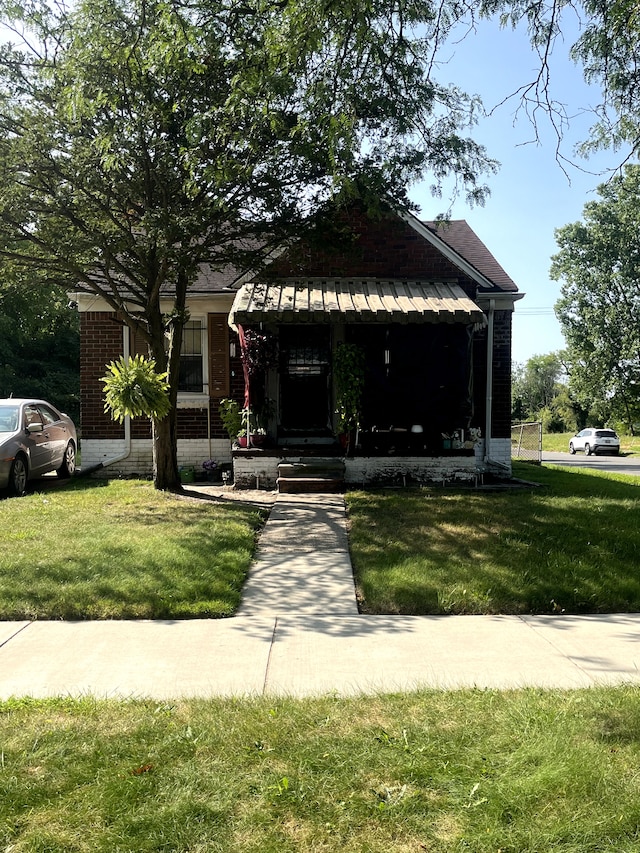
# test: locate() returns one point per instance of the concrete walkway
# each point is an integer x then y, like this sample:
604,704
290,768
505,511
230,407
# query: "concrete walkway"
302,563
299,633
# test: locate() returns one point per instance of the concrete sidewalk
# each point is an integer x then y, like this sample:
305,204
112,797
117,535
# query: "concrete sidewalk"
299,633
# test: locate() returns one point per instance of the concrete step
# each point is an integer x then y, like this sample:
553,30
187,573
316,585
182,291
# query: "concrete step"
311,475
306,485
312,468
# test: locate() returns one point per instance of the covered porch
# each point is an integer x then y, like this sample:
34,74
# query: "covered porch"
417,418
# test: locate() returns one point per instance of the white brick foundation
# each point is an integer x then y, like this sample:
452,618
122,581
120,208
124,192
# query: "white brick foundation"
258,470
253,471
139,461
373,470
500,454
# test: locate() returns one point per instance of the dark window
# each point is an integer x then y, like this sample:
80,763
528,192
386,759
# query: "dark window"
191,370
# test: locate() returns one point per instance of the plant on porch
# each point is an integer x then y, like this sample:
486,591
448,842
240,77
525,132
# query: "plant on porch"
251,433
231,417
348,375
241,424
259,351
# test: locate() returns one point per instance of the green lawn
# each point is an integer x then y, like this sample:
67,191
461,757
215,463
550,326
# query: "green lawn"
97,549
444,772
120,549
571,544
526,771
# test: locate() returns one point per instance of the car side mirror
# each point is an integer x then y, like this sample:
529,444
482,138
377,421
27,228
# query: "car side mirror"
34,428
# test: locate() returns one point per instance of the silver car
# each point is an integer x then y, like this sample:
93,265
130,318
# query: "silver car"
595,441
35,438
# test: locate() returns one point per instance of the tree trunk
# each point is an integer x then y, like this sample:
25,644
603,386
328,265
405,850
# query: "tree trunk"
166,475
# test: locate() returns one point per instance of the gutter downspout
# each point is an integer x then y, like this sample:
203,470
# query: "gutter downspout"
127,421
489,388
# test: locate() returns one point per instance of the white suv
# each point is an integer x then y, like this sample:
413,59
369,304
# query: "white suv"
595,441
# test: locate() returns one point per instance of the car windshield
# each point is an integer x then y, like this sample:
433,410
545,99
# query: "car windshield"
9,418
605,433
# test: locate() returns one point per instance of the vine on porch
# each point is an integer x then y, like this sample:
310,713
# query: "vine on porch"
348,375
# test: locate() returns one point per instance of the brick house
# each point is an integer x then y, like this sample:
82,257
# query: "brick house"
428,305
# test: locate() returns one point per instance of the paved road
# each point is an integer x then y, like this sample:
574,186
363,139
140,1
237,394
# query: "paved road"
614,464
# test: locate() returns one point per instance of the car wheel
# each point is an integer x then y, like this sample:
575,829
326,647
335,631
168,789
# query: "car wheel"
68,467
587,450
572,449
18,477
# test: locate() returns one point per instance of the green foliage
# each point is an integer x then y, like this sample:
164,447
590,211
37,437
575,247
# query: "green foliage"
561,414
231,417
607,48
598,264
143,138
348,377
260,351
539,393
39,342
134,389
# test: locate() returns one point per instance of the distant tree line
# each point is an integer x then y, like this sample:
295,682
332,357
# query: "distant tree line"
596,379
540,392
39,344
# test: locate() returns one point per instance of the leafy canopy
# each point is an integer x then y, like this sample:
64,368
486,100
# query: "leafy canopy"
141,139
599,265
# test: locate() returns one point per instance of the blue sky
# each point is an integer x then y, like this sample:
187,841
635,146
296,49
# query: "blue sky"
530,195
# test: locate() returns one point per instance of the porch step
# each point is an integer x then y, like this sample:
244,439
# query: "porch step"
312,475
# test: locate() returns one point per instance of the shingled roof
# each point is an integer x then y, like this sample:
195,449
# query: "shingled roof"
458,234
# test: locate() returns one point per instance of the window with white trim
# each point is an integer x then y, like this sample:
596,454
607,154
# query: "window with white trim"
193,363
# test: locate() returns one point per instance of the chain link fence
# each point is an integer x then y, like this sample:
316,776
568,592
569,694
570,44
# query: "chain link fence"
526,442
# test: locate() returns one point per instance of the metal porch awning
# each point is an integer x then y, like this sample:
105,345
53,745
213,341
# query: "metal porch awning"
353,301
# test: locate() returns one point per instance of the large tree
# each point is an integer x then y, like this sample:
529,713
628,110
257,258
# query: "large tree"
142,138
599,266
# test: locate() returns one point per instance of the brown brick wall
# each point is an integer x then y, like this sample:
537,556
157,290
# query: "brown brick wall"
385,248
388,248
101,342
502,374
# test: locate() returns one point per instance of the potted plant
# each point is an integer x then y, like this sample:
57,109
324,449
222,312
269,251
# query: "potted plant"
210,468
251,434
231,417
348,374
259,351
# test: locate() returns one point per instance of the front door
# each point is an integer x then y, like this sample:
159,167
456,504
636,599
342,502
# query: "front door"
304,380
